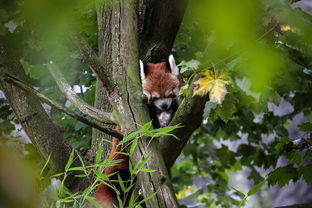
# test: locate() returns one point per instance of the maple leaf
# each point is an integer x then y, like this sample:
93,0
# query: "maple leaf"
215,84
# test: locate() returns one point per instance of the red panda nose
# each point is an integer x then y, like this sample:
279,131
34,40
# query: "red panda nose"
164,106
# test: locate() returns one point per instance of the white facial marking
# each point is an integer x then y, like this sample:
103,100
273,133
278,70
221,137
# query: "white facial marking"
155,95
176,91
148,95
164,118
142,71
173,66
164,101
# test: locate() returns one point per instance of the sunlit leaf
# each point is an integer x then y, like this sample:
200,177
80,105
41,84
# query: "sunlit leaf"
214,84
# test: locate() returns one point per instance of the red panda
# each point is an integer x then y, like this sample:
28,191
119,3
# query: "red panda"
161,85
104,195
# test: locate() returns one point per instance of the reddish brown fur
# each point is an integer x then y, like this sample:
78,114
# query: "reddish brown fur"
159,79
104,195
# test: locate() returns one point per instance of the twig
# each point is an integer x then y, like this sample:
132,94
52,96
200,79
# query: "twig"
75,99
82,118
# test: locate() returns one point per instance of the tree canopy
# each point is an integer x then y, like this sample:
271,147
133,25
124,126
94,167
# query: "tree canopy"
245,103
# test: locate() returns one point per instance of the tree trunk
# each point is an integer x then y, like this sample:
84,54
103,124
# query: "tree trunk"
159,22
101,98
45,136
127,99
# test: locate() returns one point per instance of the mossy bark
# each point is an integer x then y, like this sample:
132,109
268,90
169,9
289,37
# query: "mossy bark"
101,98
189,116
127,100
40,129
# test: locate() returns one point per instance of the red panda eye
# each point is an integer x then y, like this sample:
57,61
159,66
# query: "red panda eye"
170,95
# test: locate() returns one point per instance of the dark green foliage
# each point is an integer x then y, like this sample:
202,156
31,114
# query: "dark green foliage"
263,46
219,43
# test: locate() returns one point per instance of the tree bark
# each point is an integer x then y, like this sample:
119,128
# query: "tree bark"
189,116
127,100
45,136
101,98
159,22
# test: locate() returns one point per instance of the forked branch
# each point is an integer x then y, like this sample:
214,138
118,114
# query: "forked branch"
93,61
75,99
73,114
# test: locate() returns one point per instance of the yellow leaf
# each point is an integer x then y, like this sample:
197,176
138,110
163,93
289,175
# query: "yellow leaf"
182,194
286,28
214,84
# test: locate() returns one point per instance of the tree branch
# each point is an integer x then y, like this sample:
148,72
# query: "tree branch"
40,129
189,116
92,60
73,114
75,99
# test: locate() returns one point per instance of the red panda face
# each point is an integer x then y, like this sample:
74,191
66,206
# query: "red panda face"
160,83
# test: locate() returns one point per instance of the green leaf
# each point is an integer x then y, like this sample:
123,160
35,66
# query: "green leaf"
129,188
281,176
77,168
208,107
141,163
93,201
99,154
306,172
129,137
148,170
131,201
121,183
188,65
256,188
148,198
133,146
45,165
228,107
226,156
241,194
70,160
120,202
146,127
305,127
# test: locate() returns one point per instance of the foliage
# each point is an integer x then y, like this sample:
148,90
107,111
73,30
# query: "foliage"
251,57
213,83
264,49
57,195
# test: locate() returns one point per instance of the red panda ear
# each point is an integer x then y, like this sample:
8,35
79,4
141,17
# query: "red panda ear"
142,73
173,66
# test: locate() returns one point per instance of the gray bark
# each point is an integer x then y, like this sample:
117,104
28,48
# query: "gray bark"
101,98
189,116
127,100
159,22
73,114
85,108
45,136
